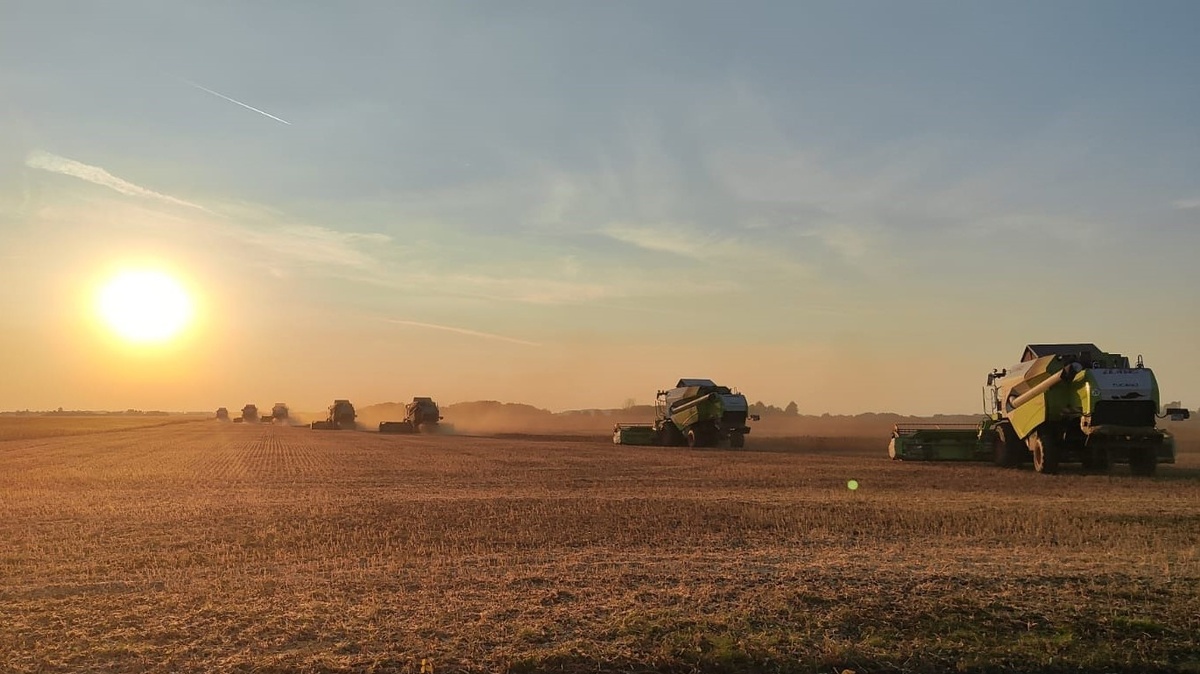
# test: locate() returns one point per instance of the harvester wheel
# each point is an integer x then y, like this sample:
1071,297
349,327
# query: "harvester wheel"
1143,461
1008,447
1045,452
737,440
694,439
670,435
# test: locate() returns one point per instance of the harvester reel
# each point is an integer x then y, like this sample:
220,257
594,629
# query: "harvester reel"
396,427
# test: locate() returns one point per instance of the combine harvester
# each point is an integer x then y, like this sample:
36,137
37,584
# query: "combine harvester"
249,414
421,414
1063,403
696,413
341,417
279,411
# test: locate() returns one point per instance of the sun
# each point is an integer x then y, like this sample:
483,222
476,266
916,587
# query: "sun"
144,306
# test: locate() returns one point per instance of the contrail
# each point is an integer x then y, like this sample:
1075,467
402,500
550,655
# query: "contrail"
40,159
463,331
248,107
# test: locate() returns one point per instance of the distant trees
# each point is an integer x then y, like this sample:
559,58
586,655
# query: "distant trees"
763,410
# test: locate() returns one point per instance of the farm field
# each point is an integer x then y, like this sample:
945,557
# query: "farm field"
207,546
33,427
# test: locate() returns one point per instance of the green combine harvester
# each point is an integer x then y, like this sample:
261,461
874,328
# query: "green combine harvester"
1063,403
696,413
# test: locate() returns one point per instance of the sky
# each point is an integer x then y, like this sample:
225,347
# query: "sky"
858,206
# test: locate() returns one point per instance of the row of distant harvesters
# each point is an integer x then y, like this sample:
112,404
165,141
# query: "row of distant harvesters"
421,415
1062,403
250,414
696,413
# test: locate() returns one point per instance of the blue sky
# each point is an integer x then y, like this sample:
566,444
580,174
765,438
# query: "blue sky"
858,206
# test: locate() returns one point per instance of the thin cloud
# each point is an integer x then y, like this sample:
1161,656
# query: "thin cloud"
704,247
40,159
235,101
1187,204
312,244
670,240
464,331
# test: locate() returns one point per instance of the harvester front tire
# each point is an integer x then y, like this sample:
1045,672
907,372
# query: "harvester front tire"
737,440
1143,461
1009,449
1045,452
671,437
693,439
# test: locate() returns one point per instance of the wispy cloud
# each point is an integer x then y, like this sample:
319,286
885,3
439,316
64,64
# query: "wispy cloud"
532,290
672,239
1186,204
705,246
46,161
236,102
312,244
463,331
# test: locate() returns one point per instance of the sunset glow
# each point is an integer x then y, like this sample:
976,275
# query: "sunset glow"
144,306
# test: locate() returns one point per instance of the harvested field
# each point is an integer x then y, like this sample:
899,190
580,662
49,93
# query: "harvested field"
32,427
218,547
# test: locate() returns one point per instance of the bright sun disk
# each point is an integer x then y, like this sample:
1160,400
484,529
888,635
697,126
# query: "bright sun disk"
145,306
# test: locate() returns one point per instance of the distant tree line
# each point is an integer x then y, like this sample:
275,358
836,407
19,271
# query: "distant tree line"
764,410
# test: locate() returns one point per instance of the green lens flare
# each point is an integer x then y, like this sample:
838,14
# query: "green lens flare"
852,485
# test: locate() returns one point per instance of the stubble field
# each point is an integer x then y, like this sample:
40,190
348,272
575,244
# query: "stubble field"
201,547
